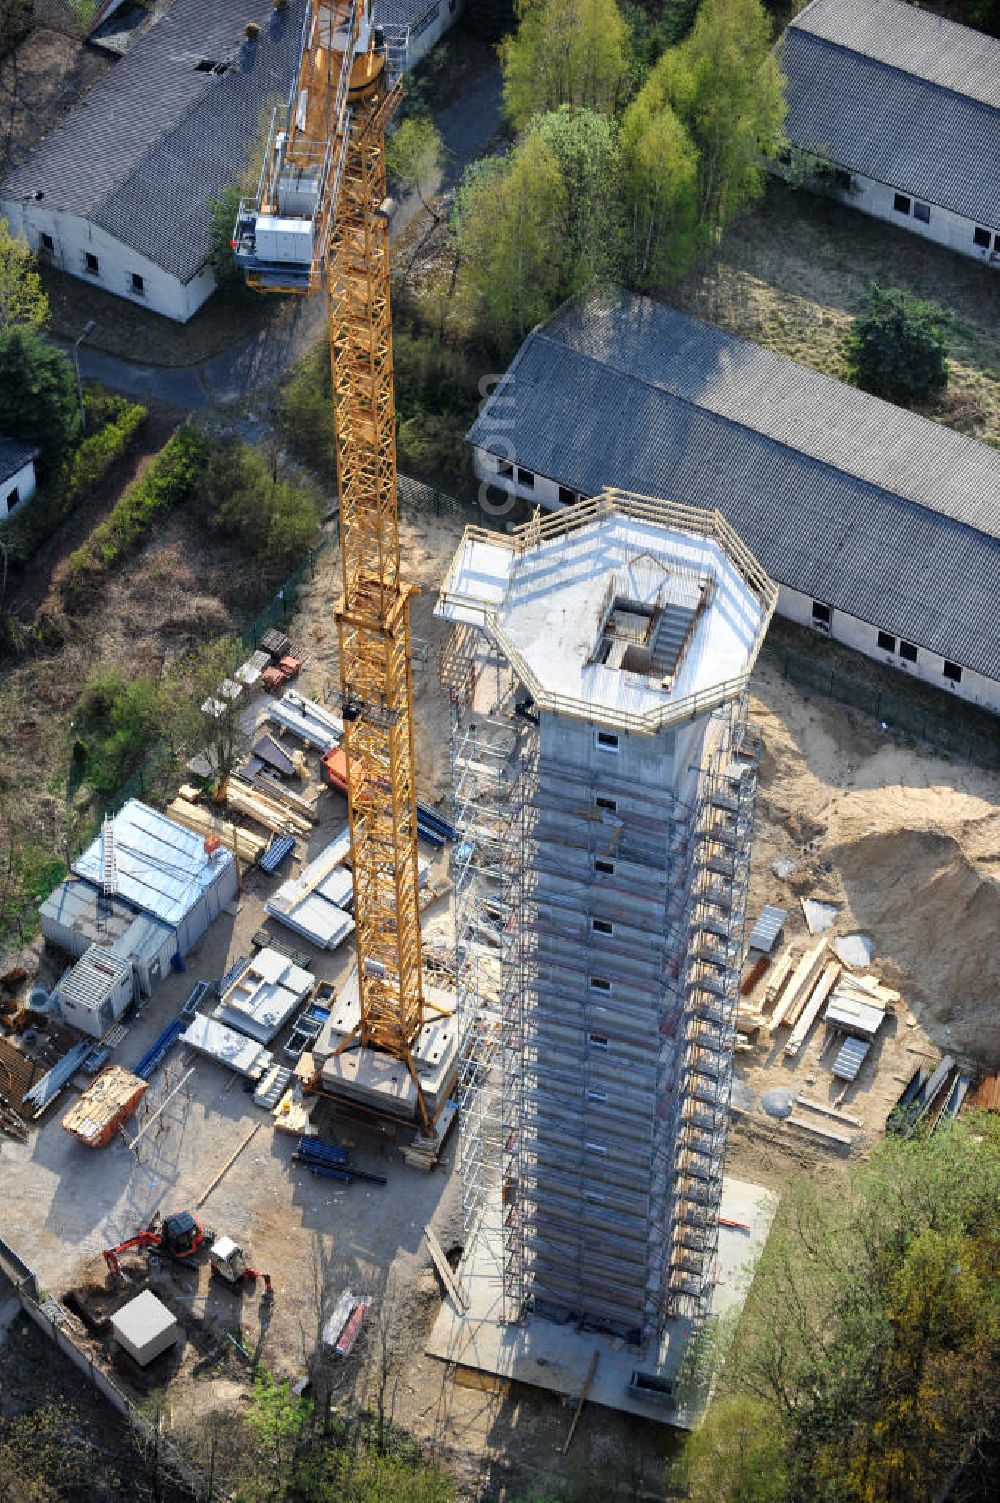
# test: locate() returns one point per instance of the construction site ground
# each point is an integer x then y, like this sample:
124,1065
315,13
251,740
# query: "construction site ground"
903,841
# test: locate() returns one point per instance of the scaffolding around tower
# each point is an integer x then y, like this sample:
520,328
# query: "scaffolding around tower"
604,775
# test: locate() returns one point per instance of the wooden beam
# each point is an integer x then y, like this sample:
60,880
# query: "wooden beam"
584,1391
444,1272
227,1166
810,1012
828,1111
163,1104
821,1132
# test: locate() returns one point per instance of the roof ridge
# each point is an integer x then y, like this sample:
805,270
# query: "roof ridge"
784,444
880,62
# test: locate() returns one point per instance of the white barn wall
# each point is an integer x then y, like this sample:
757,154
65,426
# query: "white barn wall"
945,228
430,27
22,481
74,237
792,604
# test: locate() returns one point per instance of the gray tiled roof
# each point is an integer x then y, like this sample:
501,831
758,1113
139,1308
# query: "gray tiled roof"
882,514
156,138
14,455
900,96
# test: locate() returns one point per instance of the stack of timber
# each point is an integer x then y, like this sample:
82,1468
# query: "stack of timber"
778,979
293,1113
424,1152
809,1011
267,809
243,843
795,992
104,1106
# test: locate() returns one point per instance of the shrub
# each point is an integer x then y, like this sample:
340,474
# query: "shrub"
305,411
250,497
168,481
38,399
898,346
116,719
114,422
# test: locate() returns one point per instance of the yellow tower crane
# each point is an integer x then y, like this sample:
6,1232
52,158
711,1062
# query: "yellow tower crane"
320,222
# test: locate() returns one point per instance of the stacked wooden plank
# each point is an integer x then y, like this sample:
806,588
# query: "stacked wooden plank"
244,843
811,1010
267,810
796,991
778,979
104,1106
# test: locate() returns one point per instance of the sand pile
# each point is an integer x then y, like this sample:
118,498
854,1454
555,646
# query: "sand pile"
906,844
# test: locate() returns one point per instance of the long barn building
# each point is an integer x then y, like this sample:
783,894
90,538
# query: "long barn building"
881,528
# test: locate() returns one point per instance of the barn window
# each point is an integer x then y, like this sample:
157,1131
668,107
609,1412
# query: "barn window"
567,497
602,926
952,671
821,615
13,498
907,652
886,642
901,204
505,470
91,264
48,244
922,212
611,804
598,1040
981,237
138,285
526,478
607,741
606,867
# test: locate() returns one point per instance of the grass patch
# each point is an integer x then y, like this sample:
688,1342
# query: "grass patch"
166,482
793,274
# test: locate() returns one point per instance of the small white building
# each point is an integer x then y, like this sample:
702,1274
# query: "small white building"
881,528
907,106
17,475
118,193
414,26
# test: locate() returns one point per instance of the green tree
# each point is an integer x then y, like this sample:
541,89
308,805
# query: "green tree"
305,410
222,221
509,218
659,185
736,1455
898,346
15,21
23,302
724,84
204,717
585,147
414,154
38,399
564,52
871,1336
250,496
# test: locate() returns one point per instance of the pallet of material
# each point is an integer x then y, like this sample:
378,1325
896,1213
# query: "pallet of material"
269,786
424,1152
780,973
265,810
310,722
293,1113
227,1047
800,984
811,1011
243,843
96,1115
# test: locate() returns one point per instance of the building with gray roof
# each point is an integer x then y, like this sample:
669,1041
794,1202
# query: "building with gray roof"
907,105
881,528
118,192
17,474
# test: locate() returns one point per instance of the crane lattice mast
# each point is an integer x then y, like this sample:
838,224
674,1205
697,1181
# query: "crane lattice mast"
320,221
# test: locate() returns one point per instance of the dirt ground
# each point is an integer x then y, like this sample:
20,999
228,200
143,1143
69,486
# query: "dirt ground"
793,274
902,841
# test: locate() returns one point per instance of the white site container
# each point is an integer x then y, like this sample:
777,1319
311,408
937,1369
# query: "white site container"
286,240
95,992
145,1328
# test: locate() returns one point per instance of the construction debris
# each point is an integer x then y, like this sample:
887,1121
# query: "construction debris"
855,950
818,916
243,843
102,1108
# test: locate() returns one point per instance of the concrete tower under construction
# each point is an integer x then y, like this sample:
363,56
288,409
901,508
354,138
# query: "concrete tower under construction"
604,775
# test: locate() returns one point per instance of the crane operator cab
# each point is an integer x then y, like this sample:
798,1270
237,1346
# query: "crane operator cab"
281,238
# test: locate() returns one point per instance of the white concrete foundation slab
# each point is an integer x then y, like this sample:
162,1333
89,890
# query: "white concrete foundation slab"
144,1328
558,1357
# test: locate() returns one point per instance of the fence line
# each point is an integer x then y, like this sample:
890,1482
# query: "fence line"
891,712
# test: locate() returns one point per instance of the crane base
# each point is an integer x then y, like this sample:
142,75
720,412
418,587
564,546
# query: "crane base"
379,1081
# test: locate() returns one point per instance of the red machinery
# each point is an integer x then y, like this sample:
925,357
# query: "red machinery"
180,1236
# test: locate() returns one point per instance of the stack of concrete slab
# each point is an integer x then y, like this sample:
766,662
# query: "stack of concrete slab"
379,1081
145,1328
263,997
227,1047
311,722
314,903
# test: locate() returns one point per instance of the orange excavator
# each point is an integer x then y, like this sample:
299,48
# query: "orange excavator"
181,1236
